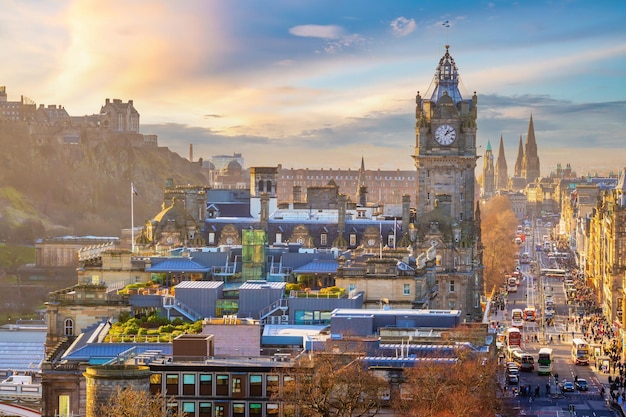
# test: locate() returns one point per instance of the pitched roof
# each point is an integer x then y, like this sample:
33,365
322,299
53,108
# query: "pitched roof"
177,265
318,266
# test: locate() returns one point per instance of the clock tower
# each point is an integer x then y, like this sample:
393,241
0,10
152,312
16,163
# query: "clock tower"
445,158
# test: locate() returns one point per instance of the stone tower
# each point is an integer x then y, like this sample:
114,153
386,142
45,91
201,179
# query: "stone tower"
530,163
488,173
445,158
502,175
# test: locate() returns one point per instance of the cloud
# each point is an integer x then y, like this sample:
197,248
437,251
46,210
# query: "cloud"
318,31
402,26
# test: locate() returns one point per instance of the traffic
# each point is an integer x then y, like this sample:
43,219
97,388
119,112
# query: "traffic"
550,352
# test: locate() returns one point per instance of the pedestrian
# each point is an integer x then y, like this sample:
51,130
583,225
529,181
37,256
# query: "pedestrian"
547,388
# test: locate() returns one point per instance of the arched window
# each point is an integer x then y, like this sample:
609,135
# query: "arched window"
260,188
268,186
68,327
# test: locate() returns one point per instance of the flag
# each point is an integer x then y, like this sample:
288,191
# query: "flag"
133,189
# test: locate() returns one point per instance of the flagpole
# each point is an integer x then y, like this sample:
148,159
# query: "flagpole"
132,217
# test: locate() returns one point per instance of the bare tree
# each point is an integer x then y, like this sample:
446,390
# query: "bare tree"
328,384
466,388
133,402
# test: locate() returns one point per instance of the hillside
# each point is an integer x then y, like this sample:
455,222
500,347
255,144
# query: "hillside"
83,187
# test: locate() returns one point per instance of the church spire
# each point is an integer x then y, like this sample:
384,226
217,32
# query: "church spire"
530,166
361,190
502,174
520,158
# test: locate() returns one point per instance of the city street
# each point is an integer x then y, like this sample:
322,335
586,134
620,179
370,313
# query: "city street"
556,334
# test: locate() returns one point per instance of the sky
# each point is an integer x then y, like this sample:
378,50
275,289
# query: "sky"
321,84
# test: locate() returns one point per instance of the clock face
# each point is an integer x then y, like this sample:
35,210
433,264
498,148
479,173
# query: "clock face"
445,135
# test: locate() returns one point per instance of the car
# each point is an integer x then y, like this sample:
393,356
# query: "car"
582,385
568,386
512,379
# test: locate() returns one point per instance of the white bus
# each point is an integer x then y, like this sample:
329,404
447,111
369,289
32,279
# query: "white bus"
580,352
511,284
544,361
517,318
553,273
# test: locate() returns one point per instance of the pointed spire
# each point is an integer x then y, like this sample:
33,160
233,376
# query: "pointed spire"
488,145
361,187
520,158
530,167
502,172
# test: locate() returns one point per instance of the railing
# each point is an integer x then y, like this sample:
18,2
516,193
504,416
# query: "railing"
171,302
282,304
17,392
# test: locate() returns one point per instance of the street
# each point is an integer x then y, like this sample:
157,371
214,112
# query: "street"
556,334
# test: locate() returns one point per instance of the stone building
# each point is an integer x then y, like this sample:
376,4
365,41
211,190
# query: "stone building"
445,158
119,116
489,174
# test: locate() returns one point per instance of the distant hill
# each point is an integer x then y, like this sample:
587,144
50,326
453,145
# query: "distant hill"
76,181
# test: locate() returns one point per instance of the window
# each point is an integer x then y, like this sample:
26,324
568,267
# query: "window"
451,286
221,385
219,411
256,385
406,289
189,407
189,384
323,239
155,383
271,385
255,409
236,385
352,239
279,237
272,409
68,327
239,410
351,287
171,384
206,384
391,241
64,406
211,238
205,409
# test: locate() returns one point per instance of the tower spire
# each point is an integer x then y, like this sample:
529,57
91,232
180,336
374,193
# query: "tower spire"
502,175
530,166
361,188
520,158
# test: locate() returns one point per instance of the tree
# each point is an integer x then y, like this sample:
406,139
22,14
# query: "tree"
466,388
498,224
134,402
329,384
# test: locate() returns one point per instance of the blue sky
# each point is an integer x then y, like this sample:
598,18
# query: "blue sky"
321,83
